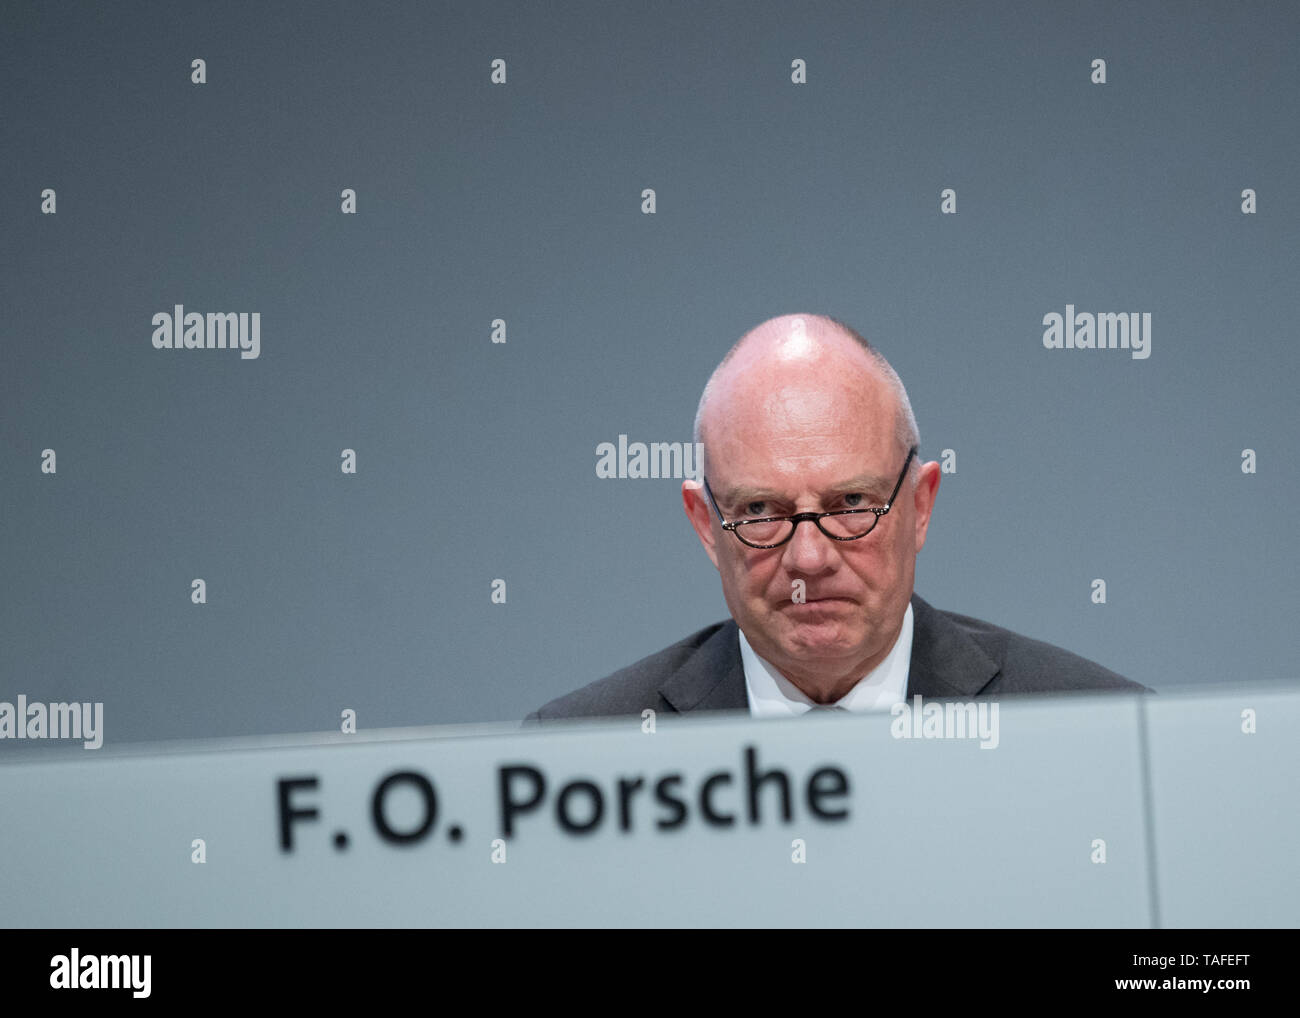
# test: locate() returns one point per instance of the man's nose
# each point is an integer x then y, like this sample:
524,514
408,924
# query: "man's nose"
809,550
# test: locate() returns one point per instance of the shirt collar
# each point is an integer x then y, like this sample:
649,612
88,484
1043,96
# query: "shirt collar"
771,694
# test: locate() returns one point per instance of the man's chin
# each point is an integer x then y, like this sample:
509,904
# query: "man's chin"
831,633
822,638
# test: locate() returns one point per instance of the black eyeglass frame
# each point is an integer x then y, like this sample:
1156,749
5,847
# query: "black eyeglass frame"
816,518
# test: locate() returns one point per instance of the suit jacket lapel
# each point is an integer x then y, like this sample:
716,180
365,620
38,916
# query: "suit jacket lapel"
946,662
712,678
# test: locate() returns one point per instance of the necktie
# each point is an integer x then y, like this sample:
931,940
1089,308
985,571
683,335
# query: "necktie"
827,708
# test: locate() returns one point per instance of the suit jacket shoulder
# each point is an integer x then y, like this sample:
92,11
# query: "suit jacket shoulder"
1023,664
703,671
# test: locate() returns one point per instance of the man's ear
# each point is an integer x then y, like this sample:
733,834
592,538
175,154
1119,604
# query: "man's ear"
927,487
700,513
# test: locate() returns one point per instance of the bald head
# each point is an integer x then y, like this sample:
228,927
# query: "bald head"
792,356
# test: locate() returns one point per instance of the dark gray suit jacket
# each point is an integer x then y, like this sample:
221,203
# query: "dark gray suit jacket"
953,657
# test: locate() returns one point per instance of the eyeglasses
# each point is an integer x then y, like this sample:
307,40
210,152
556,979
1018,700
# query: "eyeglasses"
838,525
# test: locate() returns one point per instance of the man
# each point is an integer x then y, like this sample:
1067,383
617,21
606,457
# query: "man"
813,506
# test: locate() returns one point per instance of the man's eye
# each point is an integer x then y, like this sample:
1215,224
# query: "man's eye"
855,500
754,509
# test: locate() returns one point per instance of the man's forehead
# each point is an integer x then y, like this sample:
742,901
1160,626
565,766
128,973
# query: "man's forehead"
818,474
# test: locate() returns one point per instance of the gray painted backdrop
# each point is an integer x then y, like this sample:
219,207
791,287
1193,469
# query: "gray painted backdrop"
522,201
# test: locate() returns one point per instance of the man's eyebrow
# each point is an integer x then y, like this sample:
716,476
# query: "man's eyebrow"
871,484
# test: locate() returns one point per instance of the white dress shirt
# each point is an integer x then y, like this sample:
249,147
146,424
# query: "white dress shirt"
772,695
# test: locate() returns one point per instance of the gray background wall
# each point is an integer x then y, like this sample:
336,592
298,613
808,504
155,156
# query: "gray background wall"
522,201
